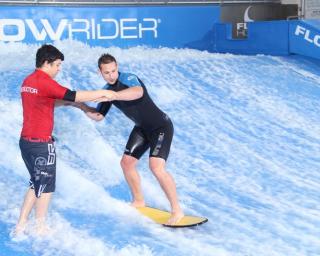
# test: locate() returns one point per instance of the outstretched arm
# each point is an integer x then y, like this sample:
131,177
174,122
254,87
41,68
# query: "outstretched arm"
76,99
83,96
131,93
59,103
128,94
91,112
79,105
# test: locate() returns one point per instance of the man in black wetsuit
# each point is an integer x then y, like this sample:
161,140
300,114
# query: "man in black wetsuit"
153,130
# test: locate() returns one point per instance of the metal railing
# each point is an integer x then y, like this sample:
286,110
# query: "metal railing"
128,2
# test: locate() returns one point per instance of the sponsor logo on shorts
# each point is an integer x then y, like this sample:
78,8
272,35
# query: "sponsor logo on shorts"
41,189
45,174
52,154
40,161
40,165
159,144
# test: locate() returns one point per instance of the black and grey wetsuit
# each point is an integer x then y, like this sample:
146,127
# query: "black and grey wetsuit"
153,128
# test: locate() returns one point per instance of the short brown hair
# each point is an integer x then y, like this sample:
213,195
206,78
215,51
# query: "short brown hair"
106,58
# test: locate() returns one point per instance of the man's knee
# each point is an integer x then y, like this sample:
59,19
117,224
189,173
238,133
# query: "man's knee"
128,162
156,168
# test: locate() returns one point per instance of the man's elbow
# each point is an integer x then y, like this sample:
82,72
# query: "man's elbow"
99,118
140,93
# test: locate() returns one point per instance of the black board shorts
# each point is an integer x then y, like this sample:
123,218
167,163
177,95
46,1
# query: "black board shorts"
40,160
158,140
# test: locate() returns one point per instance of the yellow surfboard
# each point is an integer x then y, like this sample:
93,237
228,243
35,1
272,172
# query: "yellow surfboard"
161,217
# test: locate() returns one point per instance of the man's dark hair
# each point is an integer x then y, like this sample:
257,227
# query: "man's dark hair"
48,53
106,59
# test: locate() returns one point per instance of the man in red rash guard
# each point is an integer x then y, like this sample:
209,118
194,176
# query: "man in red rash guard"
40,94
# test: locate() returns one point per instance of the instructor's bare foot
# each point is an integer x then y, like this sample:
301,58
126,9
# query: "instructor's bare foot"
175,218
43,230
19,229
138,204
18,234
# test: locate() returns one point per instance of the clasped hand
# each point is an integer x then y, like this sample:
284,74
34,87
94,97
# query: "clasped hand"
109,96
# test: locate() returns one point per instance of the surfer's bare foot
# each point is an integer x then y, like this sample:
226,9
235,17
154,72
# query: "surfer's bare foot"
138,204
175,218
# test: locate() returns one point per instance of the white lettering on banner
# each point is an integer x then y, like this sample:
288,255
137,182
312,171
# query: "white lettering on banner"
21,30
116,29
48,30
92,28
86,29
306,33
103,29
124,28
242,26
152,28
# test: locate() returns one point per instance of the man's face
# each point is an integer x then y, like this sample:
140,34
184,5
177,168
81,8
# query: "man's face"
53,68
109,72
